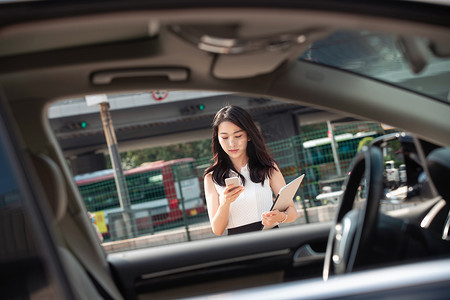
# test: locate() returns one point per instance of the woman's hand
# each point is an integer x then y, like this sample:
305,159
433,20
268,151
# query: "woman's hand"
231,193
272,218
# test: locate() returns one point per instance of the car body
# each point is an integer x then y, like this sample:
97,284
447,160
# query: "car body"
298,52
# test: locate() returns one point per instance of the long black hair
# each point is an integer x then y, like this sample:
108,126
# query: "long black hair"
260,162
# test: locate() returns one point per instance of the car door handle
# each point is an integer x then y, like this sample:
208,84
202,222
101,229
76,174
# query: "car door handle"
306,255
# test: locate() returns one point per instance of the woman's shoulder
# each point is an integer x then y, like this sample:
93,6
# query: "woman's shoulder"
209,181
208,176
273,168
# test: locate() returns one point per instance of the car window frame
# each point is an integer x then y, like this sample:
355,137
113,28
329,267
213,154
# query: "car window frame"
31,195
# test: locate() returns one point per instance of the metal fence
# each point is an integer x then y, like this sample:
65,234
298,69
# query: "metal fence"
312,154
162,195
169,195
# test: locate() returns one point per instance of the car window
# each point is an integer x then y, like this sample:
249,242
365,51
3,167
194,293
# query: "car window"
163,176
380,56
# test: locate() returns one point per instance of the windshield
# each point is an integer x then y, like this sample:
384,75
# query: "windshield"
379,56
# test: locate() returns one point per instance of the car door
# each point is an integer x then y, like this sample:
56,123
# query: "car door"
221,264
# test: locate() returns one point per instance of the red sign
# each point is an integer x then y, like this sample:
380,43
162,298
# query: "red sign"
160,95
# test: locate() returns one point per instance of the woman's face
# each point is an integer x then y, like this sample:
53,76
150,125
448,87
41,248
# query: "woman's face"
233,140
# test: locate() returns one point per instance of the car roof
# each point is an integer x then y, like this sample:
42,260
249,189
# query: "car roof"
77,48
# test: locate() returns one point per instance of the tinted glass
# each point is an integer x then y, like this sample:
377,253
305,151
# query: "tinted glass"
380,56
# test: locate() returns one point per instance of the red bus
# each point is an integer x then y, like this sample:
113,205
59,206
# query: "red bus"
155,191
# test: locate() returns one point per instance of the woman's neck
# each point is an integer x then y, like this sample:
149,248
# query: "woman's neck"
239,163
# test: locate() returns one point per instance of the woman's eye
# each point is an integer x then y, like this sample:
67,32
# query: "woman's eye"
224,138
238,136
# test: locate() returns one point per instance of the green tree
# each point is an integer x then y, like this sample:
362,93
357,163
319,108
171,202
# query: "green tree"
364,142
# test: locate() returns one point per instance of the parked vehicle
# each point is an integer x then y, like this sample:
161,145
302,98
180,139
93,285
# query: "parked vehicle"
391,173
159,192
318,151
315,158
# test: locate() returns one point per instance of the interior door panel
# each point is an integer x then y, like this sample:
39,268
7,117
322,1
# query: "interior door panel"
219,264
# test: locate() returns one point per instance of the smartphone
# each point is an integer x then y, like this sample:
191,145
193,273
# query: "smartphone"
232,180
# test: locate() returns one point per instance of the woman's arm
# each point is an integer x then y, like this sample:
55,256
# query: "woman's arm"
289,215
218,212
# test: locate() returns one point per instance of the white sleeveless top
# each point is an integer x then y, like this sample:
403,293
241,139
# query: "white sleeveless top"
251,204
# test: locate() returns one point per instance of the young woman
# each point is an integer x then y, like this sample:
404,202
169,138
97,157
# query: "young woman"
239,150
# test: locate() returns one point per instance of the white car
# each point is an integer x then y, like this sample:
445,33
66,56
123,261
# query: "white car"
391,173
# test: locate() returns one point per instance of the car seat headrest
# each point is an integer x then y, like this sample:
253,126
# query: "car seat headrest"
52,181
438,163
